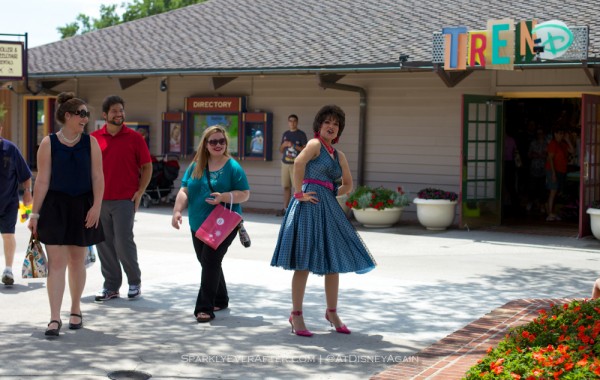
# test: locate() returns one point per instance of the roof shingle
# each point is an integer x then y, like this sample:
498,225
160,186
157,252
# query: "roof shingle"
233,35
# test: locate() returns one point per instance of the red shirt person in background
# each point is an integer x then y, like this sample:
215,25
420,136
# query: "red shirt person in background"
556,168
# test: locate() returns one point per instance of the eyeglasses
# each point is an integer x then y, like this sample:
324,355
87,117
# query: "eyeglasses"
215,142
82,113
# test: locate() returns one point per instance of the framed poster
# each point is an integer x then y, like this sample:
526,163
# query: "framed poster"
174,133
175,137
141,128
230,122
257,136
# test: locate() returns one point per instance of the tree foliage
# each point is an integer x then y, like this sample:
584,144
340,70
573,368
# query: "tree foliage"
110,17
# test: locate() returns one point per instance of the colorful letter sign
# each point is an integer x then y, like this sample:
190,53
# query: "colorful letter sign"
503,44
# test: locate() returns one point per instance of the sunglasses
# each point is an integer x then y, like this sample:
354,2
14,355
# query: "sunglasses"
215,142
82,113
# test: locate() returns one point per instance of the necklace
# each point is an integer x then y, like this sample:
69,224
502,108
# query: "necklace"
69,141
329,148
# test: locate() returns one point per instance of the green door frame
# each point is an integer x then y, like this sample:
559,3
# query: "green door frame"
481,160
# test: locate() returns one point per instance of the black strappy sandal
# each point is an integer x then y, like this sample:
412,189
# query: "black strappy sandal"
54,332
207,317
76,326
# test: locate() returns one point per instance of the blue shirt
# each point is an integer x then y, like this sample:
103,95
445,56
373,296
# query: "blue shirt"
297,138
13,171
71,166
230,177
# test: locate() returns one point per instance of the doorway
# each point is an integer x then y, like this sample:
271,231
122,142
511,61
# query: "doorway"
530,125
39,122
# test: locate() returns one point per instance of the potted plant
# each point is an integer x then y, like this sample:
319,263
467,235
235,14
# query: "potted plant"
377,207
436,208
594,213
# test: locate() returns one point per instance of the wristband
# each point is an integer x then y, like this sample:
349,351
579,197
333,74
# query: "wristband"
299,195
34,215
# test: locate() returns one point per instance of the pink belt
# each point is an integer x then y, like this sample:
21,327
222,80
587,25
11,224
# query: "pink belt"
328,185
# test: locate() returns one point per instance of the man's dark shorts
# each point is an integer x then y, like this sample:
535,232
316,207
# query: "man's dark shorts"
8,217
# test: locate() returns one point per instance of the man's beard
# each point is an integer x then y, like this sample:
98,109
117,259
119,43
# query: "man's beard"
113,122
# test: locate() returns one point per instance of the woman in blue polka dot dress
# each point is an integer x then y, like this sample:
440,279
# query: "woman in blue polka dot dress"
315,235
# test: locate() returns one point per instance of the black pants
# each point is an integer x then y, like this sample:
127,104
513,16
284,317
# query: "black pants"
213,289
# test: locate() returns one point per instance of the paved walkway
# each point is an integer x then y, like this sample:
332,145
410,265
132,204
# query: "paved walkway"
427,286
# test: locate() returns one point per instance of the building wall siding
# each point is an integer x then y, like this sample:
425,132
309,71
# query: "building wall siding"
413,127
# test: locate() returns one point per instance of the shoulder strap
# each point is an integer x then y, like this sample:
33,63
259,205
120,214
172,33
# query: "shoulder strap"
207,175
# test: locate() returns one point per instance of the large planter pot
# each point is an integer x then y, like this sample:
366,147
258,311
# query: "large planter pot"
374,218
595,221
435,214
341,199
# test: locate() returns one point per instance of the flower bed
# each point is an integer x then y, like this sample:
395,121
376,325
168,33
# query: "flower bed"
559,344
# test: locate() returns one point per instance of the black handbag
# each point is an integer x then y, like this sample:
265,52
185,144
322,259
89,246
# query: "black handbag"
244,237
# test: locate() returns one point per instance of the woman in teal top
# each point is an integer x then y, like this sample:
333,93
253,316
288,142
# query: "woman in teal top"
227,180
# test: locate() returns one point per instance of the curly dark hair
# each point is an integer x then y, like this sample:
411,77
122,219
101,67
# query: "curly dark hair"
330,111
110,101
66,102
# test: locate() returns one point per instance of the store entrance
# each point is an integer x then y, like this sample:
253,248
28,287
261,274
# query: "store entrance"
39,122
529,126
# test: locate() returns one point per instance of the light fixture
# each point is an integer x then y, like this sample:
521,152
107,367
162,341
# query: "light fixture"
403,59
163,85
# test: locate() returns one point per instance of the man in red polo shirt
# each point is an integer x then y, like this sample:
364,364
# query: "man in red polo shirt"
127,169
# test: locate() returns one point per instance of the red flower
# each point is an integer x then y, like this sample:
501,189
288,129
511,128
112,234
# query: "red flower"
569,366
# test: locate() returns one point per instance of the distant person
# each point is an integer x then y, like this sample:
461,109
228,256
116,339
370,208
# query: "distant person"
512,161
212,178
537,173
315,235
127,171
13,171
292,143
556,169
66,206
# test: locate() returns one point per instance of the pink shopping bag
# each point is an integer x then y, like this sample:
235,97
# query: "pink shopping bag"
219,224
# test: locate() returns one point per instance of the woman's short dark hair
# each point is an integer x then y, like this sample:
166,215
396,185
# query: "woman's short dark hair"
66,102
330,111
109,101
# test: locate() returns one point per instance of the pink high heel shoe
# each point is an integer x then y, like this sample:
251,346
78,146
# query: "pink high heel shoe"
299,332
343,329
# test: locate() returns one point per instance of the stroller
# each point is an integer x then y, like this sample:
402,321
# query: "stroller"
165,170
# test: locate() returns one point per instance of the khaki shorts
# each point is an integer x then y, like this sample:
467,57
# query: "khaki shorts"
287,175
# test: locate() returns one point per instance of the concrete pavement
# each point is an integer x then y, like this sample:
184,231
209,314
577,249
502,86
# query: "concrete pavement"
427,285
